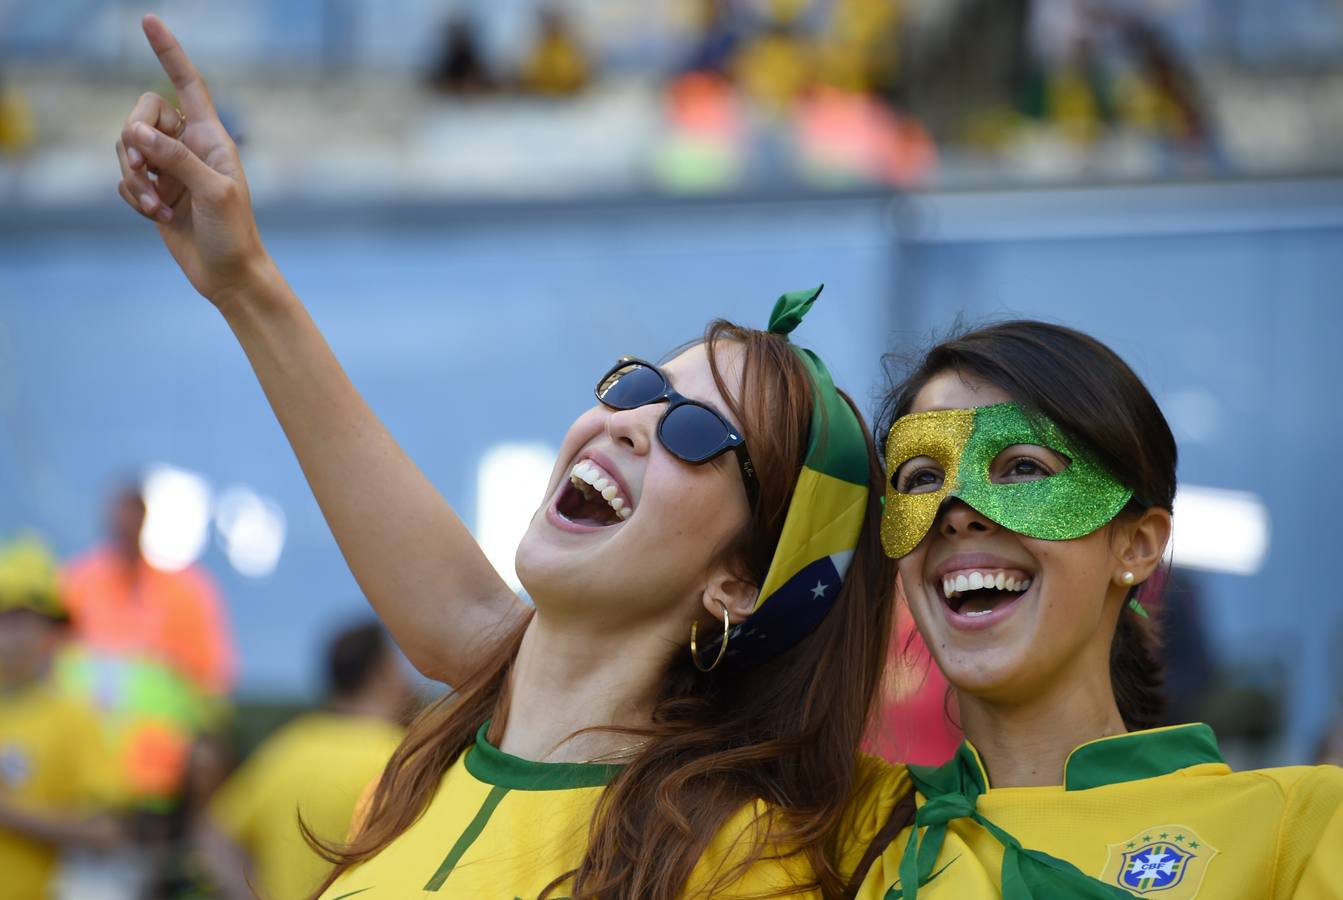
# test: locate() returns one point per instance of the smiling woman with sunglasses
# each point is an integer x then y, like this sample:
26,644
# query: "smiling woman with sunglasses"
678,714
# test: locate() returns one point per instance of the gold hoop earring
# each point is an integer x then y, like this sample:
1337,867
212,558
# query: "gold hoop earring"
722,648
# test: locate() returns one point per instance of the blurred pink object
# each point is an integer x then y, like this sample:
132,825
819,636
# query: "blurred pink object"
915,724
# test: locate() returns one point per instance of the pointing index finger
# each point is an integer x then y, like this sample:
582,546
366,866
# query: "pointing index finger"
190,86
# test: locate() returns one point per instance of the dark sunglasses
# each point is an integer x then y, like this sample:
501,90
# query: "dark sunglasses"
691,431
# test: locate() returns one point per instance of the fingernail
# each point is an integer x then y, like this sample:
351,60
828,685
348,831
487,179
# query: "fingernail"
143,133
134,157
147,202
164,215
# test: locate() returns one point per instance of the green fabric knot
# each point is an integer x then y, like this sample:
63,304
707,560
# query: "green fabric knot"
790,308
951,792
939,810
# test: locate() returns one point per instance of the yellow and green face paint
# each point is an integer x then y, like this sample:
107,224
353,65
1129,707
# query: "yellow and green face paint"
964,444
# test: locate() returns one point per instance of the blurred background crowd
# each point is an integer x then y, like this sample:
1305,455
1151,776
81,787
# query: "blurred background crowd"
483,203
692,96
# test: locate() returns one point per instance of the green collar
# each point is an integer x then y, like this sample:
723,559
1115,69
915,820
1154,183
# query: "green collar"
952,791
491,765
1125,757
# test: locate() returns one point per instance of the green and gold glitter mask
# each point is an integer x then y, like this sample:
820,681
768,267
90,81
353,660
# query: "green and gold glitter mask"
965,443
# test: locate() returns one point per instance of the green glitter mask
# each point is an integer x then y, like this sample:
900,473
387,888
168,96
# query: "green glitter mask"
965,443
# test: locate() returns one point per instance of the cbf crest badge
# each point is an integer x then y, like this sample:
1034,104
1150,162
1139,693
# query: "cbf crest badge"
1166,861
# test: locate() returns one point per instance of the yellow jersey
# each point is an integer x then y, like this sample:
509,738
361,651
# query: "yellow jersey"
53,761
315,766
1154,814
504,827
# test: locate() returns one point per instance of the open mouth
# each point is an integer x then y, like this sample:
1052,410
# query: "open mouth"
593,497
978,592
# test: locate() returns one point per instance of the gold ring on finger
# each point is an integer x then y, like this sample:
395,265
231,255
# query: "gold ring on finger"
181,124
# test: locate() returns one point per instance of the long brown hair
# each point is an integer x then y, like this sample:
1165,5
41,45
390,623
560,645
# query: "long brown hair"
1087,390
783,732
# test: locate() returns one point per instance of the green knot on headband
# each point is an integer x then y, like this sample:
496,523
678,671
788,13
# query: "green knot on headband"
825,514
790,308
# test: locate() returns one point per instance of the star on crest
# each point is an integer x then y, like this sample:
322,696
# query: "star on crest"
819,591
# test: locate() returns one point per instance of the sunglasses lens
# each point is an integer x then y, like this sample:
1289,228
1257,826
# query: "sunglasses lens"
693,433
630,386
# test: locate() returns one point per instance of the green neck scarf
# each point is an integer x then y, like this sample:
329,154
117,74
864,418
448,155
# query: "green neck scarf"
952,790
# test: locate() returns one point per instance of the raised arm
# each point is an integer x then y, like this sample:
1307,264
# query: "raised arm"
414,559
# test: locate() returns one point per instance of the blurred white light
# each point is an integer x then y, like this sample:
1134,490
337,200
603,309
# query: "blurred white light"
177,517
251,531
510,482
1220,531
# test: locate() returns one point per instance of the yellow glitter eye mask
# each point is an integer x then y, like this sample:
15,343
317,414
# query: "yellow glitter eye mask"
963,445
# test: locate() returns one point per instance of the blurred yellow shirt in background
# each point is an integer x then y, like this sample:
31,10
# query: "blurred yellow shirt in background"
317,766
52,760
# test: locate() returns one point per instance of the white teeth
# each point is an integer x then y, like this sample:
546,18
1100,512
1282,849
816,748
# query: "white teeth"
954,585
592,481
973,614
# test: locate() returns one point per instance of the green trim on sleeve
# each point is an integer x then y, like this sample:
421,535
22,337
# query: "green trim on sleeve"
494,767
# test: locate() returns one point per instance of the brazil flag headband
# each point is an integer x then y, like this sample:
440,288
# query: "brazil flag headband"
825,515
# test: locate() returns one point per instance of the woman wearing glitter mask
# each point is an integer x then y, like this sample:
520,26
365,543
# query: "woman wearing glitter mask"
586,750
1031,481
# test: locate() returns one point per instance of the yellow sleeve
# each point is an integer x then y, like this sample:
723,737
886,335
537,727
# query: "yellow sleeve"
778,871
879,786
1309,863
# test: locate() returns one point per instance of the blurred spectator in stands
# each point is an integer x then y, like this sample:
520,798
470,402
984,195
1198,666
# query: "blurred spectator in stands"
961,68
719,35
776,64
1068,89
557,65
315,768
56,788
859,48
1160,96
154,654
120,603
703,142
461,67
18,131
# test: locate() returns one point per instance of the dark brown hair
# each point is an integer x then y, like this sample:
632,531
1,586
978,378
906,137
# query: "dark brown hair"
1088,391
784,731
